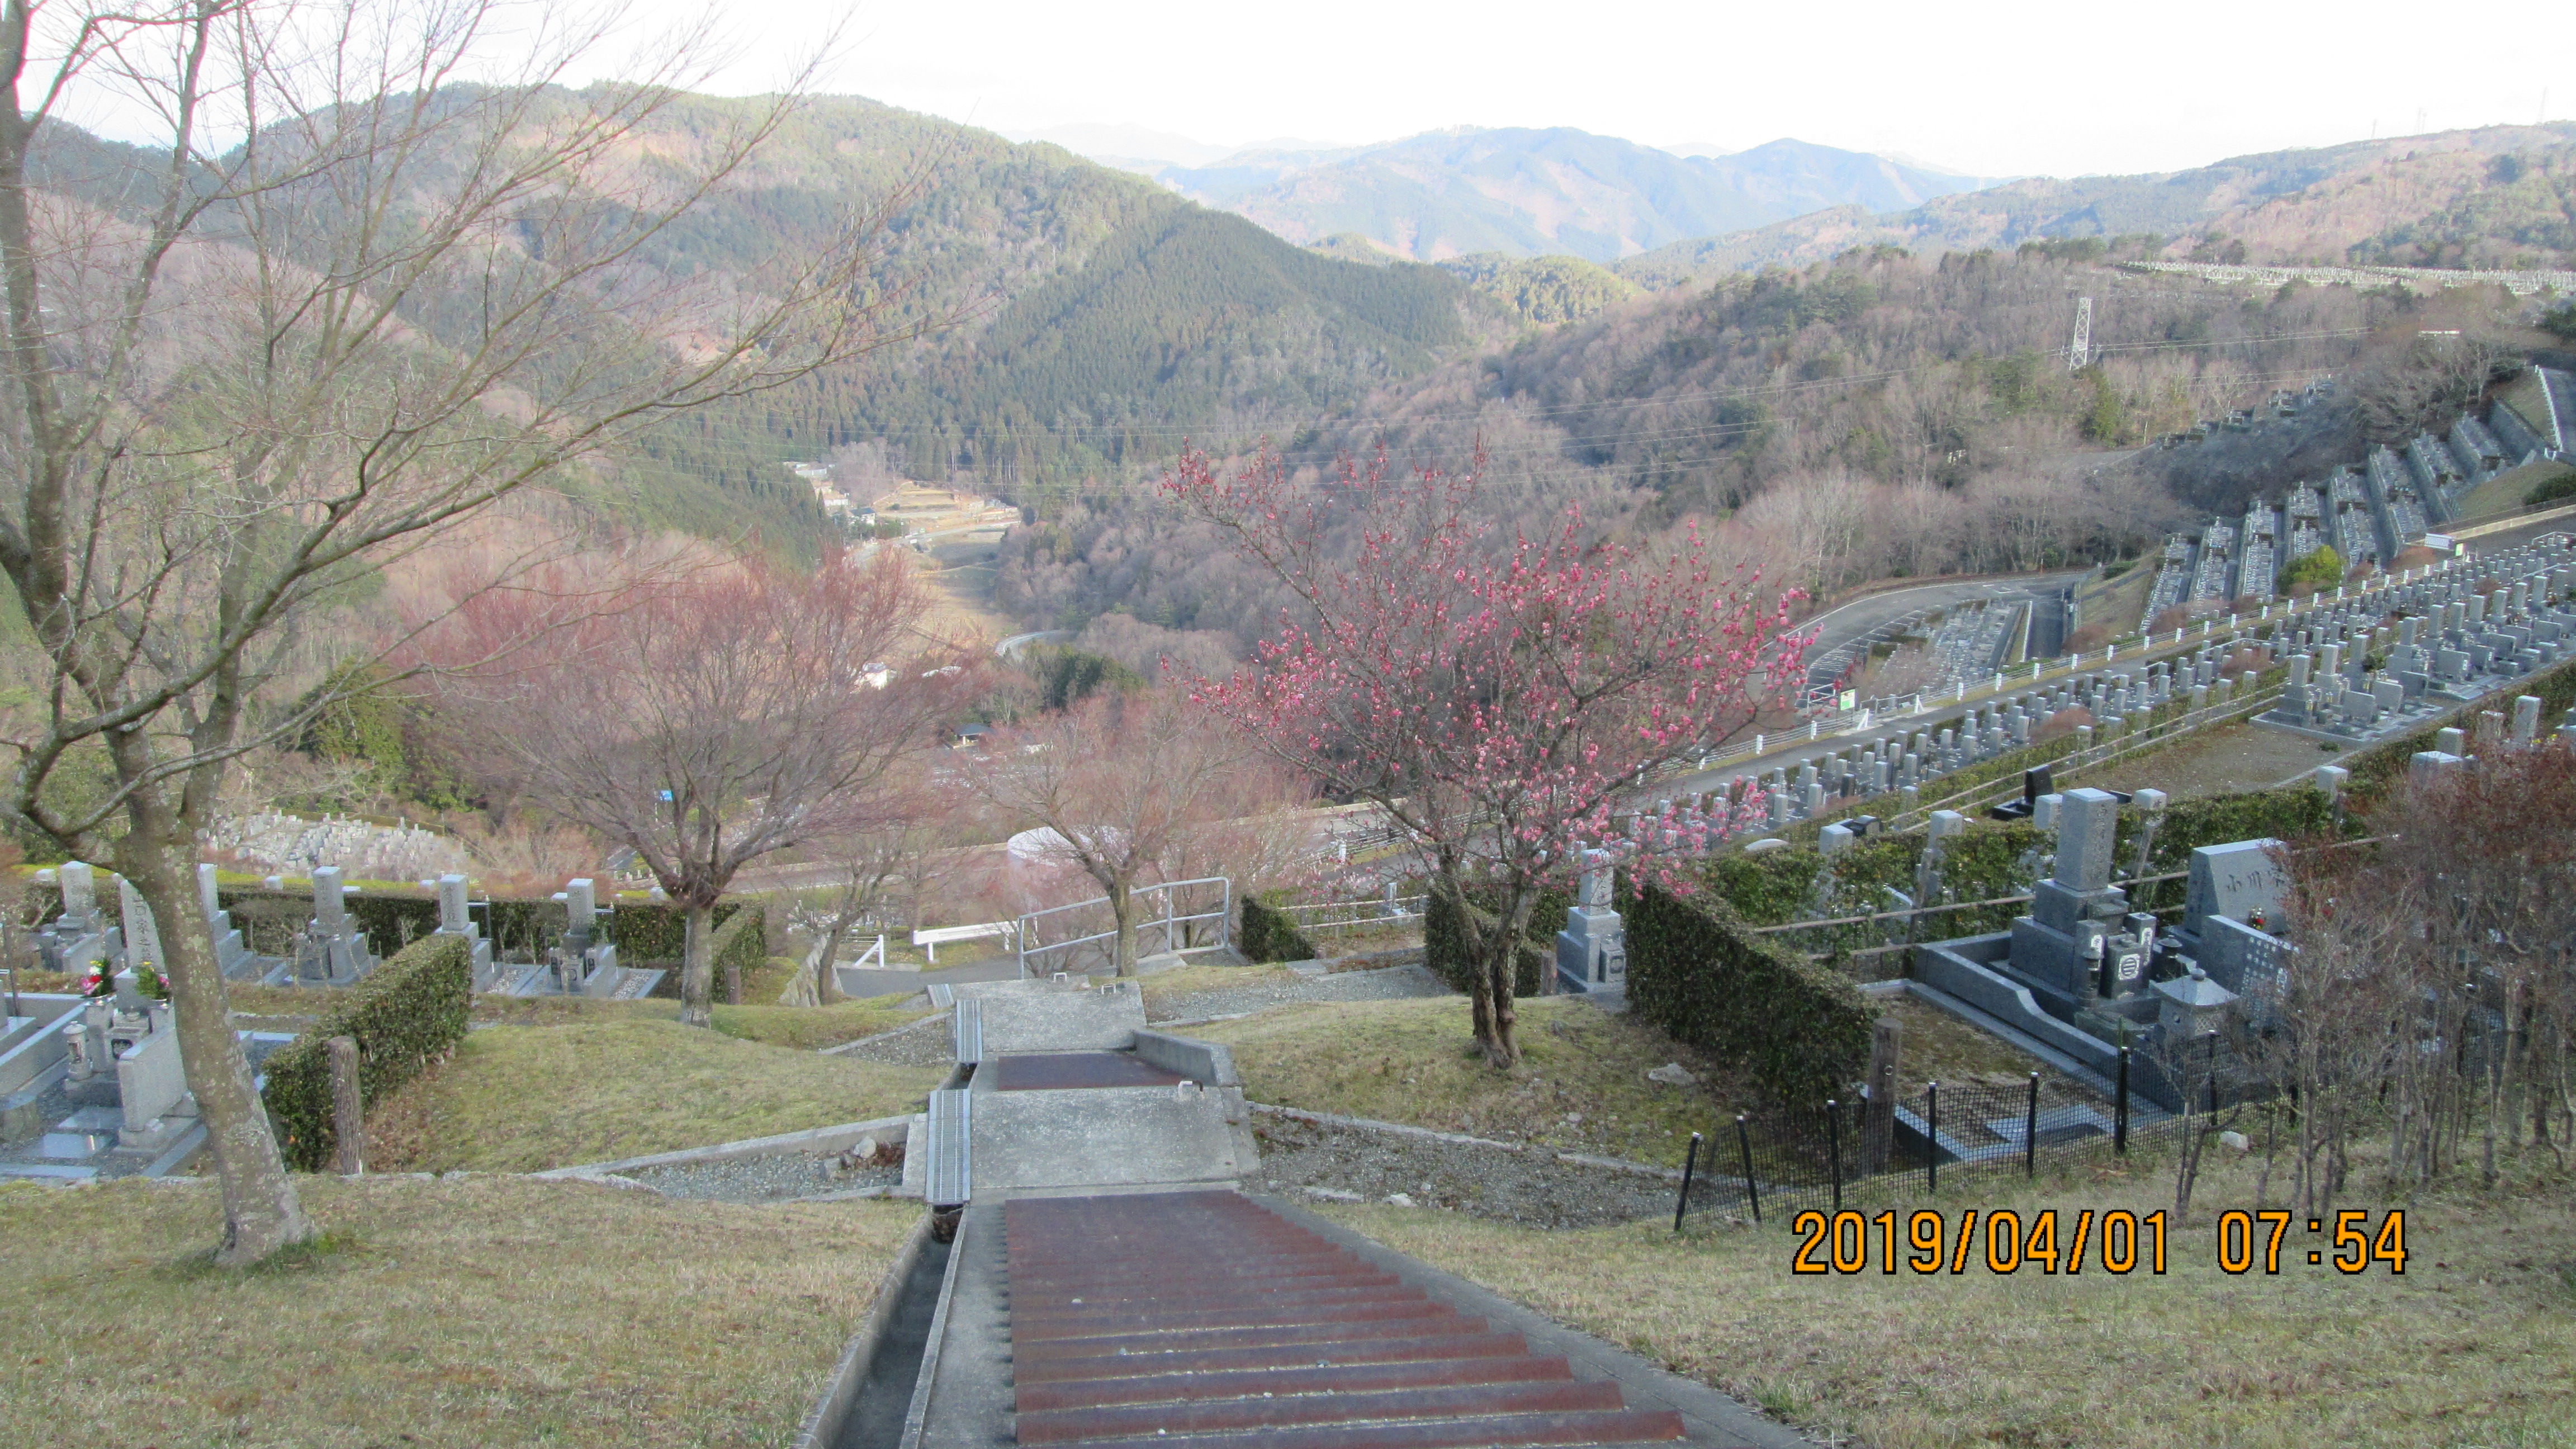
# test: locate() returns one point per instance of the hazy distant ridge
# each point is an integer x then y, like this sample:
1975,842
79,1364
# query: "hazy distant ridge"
1526,192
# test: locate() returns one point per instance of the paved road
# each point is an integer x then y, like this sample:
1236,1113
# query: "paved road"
885,983
1843,626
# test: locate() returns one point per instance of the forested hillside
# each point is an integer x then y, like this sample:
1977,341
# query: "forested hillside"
1881,414
1095,313
2364,201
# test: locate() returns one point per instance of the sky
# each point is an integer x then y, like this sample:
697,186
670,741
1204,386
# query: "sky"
1985,89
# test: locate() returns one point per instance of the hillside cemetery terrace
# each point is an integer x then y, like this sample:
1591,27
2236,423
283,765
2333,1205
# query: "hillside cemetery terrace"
90,1083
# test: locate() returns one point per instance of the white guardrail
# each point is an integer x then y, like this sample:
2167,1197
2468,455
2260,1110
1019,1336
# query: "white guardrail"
1174,923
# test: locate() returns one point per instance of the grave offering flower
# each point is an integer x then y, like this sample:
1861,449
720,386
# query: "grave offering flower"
98,983
149,980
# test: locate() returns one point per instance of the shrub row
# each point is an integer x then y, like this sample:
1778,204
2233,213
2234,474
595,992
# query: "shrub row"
405,1014
741,939
1444,943
1799,1029
1269,935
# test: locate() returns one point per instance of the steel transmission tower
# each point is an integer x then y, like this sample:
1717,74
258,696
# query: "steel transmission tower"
2080,351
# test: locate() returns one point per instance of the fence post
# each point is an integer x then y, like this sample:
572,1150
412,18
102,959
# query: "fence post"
1690,1163
2030,1132
348,1113
1834,1149
2120,1111
1932,1137
1878,1131
1744,1140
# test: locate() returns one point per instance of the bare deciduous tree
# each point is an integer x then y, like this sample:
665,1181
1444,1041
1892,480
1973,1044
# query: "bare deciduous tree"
1124,781
339,308
714,721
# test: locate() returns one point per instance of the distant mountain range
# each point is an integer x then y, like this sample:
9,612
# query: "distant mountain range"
2495,196
1520,192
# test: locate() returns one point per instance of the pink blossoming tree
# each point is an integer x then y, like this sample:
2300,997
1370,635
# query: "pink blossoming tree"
1500,701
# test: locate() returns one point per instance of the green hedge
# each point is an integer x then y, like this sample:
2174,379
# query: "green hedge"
1801,1030
1444,946
1269,935
405,1014
741,939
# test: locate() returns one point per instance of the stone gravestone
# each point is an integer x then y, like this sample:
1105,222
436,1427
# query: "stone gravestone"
142,934
1592,950
596,963
2239,881
2059,943
334,952
232,954
455,919
77,940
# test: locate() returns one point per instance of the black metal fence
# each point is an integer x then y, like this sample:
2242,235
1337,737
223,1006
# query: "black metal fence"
1767,1166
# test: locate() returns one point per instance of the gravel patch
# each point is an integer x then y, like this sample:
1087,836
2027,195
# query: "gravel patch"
778,1177
930,1042
1391,984
1532,1188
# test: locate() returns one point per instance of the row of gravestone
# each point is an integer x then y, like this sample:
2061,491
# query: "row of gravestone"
329,949
2461,635
2503,611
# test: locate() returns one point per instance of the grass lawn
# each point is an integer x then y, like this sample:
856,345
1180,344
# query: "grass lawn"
2470,1347
526,1098
1581,1085
807,1027
485,1311
1165,987
1934,1046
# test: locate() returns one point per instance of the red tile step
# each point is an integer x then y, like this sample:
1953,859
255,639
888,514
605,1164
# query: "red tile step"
1204,1319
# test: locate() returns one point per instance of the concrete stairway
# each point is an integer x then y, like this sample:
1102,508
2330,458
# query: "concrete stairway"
1204,1318
1109,1286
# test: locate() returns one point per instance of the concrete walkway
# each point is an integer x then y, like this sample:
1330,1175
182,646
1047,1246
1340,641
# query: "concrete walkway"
1111,1286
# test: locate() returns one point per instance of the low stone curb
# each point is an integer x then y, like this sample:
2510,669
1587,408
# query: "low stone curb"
813,1139
1399,1129
853,1045
840,1392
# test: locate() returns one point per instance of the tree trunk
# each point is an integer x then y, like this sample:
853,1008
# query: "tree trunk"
261,1210
1503,1051
1122,910
697,968
827,982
